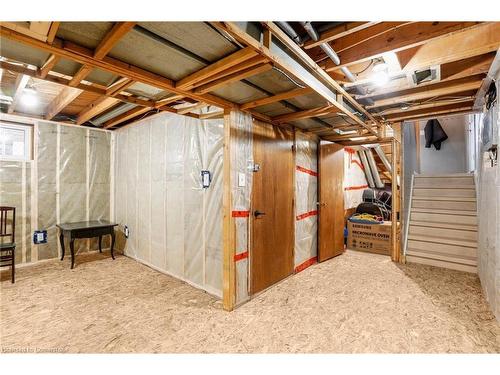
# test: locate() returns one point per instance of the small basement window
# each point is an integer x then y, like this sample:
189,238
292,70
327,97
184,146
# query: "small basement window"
15,141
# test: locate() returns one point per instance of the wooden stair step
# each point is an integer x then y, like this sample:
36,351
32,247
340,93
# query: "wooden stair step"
468,175
444,192
456,199
446,212
456,226
444,205
443,218
442,240
443,257
442,186
439,234
442,264
440,248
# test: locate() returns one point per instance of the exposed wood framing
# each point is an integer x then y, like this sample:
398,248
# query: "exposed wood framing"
98,106
119,86
338,32
54,26
456,108
402,37
130,114
112,37
21,82
48,65
188,82
308,113
229,240
65,96
276,98
182,111
438,103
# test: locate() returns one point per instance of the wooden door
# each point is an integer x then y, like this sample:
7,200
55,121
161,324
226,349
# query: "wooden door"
331,198
273,231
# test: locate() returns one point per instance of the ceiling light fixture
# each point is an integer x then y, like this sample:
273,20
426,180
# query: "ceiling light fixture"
380,74
29,98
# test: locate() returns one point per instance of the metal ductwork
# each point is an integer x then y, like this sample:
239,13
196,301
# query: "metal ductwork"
373,166
381,154
285,26
366,168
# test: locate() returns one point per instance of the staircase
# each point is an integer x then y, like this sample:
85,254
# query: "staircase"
443,222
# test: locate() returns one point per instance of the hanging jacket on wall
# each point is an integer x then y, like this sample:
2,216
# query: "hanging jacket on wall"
434,134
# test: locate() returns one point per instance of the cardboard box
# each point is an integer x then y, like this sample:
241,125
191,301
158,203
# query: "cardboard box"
373,238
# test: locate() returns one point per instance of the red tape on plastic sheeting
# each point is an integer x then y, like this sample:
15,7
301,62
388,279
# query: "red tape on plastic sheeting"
241,213
349,150
358,163
307,263
356,187
241,256
307,214
308,171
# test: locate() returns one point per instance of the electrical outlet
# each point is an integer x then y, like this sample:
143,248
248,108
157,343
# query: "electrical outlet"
241,179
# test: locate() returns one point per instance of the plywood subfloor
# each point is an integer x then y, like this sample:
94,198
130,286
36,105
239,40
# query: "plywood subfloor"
354,303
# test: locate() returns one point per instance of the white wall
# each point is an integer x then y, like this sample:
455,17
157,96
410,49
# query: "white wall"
488,182
452,156
175,224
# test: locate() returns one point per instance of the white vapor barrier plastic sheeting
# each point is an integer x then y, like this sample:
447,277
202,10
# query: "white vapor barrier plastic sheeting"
175,224
354,179
74,171
306,198
242,163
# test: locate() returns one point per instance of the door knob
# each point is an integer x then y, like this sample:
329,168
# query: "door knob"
258,213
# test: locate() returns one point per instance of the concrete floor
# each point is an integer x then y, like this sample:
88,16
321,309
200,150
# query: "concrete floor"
354,303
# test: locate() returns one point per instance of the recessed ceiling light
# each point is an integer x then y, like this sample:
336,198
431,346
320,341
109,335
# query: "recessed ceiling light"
405,107
29,100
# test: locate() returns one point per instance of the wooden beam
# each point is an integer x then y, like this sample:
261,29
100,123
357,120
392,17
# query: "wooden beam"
228,224
80,75
438,103
238,76
65,96
40,27
98,106
54,26
338,32
436,90
277,98
257,60
441,111
130,114
182,111
457,46
394,207
170,99
353,39
308,113
84,55
401,38
48,65
119,86
112,37
21,82
234,59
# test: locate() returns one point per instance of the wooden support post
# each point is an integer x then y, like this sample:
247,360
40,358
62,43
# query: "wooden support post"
395,256
228,271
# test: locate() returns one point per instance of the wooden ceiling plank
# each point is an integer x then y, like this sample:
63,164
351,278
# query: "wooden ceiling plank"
276,98
308,113
234,59
49,65
339,32
21,82
54,26
95,108
238,76
64,98
403,37
112,38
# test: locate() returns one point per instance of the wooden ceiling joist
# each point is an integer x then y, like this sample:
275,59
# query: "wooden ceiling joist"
65,96
171,99
308,113
422,113
21,82
238,76
439,103
402,37
119,86
95,108
338,32
278,97
112,38
182,111
49,65
236,58
430,91
54,26
130,114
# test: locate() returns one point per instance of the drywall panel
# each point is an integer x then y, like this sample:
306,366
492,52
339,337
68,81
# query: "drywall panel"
175,224
306,198
451,158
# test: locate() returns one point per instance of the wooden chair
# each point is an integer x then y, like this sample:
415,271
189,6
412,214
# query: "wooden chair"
8,247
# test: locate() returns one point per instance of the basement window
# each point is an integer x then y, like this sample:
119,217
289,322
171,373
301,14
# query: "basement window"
15,141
